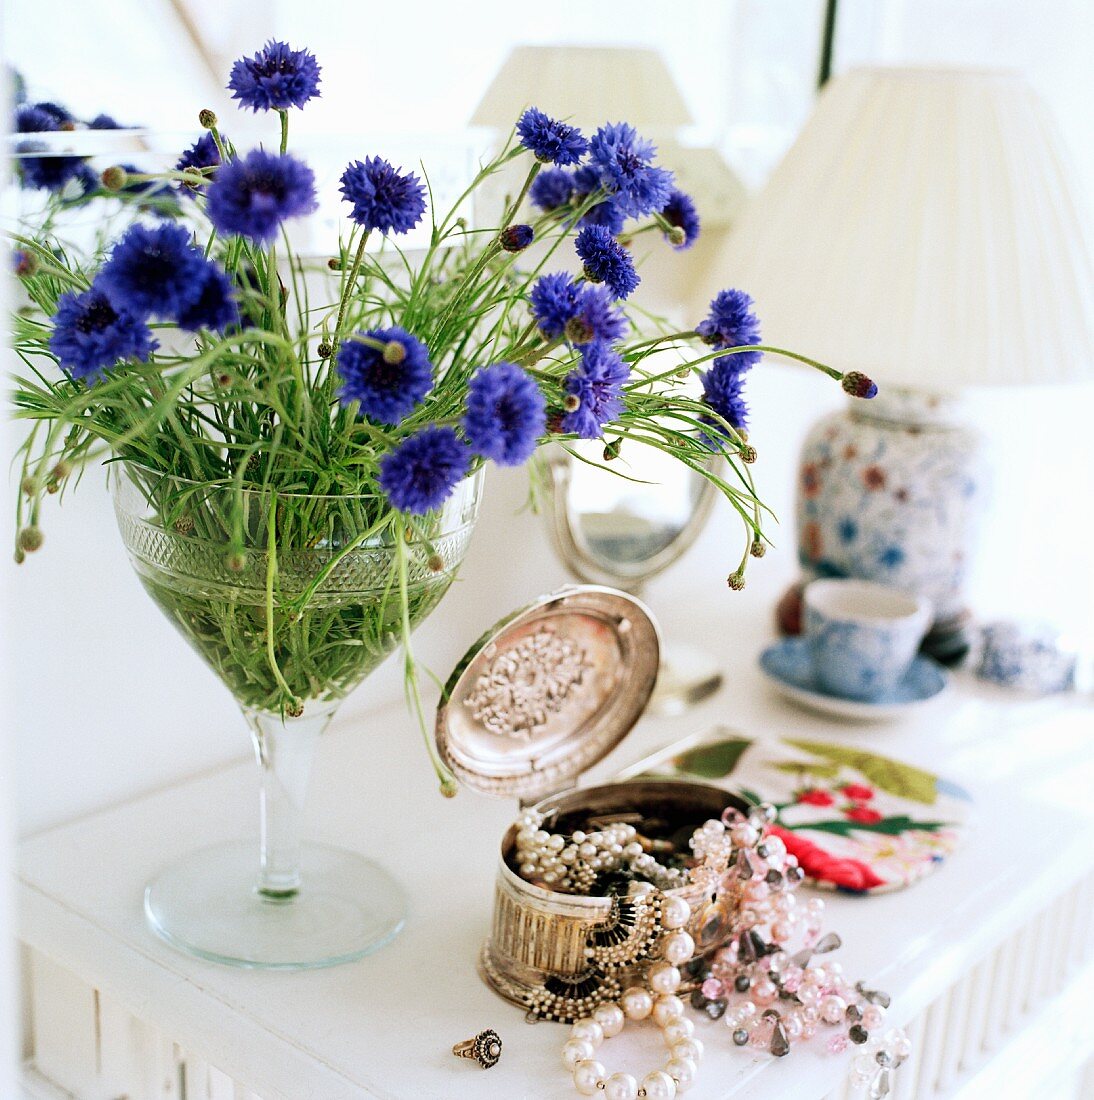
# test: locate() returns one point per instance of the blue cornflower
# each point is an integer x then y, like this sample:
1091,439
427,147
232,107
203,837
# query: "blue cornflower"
386,381
722,391
62,116
47,173
105,122
23,262
554,302
596,318
606,260
583,314
202,154
90,335
506,414
606,213
550,141
31,119
420,474
215,307
253,196
597,384
624,163
154,270
383,198
732,324
551,189
681,214
275,79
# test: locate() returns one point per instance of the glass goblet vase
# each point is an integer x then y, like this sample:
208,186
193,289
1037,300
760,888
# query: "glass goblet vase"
292,599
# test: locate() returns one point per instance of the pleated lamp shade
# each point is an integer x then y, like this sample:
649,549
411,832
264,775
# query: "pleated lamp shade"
925,228
586,84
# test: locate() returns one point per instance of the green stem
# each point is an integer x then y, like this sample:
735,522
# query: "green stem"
355,270
284,131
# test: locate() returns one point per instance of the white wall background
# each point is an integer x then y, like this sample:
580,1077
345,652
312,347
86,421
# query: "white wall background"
108,701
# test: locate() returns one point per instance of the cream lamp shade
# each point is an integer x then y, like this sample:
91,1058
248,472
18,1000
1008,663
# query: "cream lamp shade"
588,85
925,228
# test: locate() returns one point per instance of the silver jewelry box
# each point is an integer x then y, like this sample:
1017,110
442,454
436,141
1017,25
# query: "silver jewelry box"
545,694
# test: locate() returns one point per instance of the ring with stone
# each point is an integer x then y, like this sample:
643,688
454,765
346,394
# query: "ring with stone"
484,1048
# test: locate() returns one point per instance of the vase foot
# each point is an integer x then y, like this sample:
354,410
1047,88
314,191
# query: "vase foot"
208,905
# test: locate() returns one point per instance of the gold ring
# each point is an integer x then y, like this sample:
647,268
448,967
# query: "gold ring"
485,1048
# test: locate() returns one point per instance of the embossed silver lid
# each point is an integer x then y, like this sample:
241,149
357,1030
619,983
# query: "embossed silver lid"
548,691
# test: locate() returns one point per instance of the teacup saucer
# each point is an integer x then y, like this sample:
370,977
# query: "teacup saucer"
787,665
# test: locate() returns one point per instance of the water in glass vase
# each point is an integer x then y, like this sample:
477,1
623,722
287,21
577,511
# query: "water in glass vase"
330,575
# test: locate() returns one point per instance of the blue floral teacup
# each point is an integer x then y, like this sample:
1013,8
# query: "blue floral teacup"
862,636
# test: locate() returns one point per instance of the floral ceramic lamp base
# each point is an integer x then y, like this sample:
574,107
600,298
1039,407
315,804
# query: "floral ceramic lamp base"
209,904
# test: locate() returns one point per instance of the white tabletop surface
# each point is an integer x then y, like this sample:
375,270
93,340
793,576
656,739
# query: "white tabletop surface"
384,1026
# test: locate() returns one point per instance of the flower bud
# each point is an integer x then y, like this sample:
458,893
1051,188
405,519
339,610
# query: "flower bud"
114,178
62,470
19,556
611,450
294,708
436,563
184,524
324,351
578,331
207,119
516,238
448,787
757,549
571,402
24,263
748,454
224,379
736,580
31,539
29,485
858,385
334,263
236,561
394,352
677,236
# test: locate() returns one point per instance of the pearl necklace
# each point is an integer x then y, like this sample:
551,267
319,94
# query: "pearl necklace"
636,1003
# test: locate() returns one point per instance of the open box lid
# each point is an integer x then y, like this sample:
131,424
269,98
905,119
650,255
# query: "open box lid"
548,692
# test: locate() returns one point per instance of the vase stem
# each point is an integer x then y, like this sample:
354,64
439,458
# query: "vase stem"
284,749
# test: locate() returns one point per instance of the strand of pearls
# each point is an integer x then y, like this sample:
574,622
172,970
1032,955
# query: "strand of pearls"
637,1003
571,864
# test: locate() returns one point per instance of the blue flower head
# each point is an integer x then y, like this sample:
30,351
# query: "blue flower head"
506,414
723,387
40,170
253,196
681,214
154,270
31,119
105,122
606,260
383,198
550,141
606,213
202,154
551,189
62,116
215,307
386,381
275,79
624,162
554,302
732,324
596,319
90,335
595,389
420,474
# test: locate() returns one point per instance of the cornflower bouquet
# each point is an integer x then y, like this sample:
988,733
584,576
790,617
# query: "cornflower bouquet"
264,423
